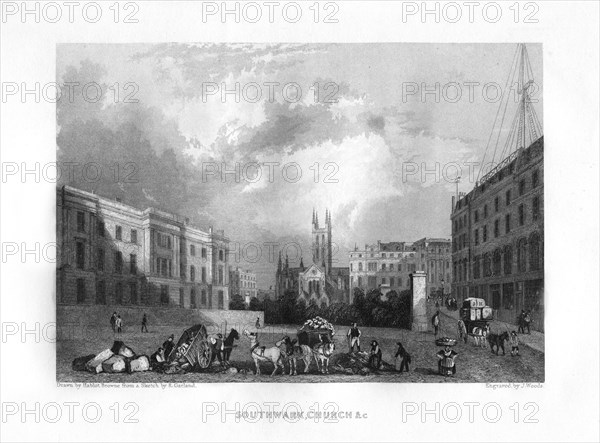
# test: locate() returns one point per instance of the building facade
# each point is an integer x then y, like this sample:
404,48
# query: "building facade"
498,237
387,266
319,283
242,282
112,253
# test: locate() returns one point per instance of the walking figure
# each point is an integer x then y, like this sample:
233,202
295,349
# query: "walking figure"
257,323
402,358
144,323
527,322
119,324
521,322
435,322
113,322
462,330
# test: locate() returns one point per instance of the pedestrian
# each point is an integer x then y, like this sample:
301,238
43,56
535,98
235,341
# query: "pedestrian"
402,358
462,330
527,322
375,355
119,324
353,338
257,323
113,322
521,322
435,322
168,345
514,343
144,323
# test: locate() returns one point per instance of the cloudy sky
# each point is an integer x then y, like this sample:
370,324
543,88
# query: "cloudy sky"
351,132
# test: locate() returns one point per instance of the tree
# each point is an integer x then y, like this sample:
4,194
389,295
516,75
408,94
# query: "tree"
255,304
287,306
237,303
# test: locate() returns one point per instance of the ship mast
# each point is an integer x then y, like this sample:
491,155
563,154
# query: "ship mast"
525,127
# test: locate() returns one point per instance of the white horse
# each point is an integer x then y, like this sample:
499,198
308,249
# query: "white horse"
262,353
480,335
294,352
322,353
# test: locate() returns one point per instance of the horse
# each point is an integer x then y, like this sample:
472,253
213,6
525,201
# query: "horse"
497,340
322,352
480,334
262,353
294,352
228,345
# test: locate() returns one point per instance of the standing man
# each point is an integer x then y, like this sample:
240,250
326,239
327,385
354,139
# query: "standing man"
354,338
257,323
521,321
462,330
435,322
168,345
144,323
113,321
527,322
119,324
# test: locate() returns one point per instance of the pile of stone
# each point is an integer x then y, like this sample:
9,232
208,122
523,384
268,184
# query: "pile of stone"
118,359
356,363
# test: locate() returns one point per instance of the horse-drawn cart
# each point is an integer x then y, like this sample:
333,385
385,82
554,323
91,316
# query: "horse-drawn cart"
475,314
193,349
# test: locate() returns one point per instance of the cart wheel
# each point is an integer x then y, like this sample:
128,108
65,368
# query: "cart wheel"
204,355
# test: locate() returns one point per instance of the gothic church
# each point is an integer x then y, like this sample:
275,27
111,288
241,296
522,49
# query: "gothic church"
320,282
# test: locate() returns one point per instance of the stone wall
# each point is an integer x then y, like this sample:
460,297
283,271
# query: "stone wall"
216,320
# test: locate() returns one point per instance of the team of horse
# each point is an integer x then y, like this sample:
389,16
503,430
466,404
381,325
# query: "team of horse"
483,337
288,351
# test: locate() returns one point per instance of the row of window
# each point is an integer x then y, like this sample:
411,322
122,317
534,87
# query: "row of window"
204,301
385,267
462,240
385,255
163,240
132,291
528,256
461,222
373,282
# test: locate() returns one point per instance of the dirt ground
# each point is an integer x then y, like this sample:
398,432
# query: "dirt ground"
474,364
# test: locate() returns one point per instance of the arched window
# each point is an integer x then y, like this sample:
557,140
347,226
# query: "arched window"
487,264
521,255
360,267
534,252
497,262
359,282
508,260
192,273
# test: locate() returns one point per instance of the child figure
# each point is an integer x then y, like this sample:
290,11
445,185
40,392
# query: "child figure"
514,343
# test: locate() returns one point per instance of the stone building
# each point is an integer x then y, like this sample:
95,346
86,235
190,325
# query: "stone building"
242,282
112,253
387,266
498,237
320,282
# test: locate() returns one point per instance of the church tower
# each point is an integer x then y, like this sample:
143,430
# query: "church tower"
321,242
